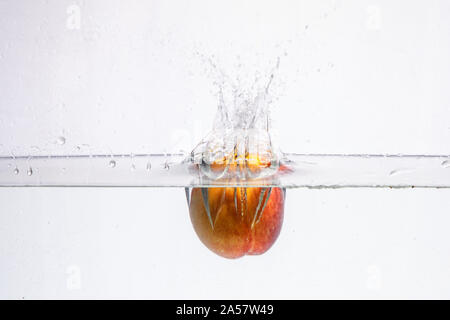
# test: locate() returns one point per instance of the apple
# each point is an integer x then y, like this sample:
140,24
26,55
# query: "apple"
237,221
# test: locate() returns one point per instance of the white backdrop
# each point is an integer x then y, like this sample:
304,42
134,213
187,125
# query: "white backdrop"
129,77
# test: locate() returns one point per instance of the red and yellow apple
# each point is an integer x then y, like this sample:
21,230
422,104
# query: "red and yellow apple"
237,221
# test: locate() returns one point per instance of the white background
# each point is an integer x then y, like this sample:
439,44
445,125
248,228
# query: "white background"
129,77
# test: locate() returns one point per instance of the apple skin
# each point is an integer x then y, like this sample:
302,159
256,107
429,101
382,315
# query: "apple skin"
233,230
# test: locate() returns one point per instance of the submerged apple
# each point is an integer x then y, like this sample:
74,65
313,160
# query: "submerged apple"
243,214
237,221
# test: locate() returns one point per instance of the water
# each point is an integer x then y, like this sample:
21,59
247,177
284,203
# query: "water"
114,237
322,171
147,235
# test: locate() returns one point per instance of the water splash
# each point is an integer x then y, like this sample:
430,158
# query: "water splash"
241,129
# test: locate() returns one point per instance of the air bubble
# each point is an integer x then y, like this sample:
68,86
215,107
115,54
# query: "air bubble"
16,171
149,166
30,171
112,164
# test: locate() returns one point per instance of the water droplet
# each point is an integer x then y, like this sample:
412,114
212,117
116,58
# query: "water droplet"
149,166
61,141
446,164
30,171
112,164
393,172
399,171
16,171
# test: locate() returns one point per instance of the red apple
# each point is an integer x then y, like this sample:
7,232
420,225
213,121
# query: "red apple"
233,222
